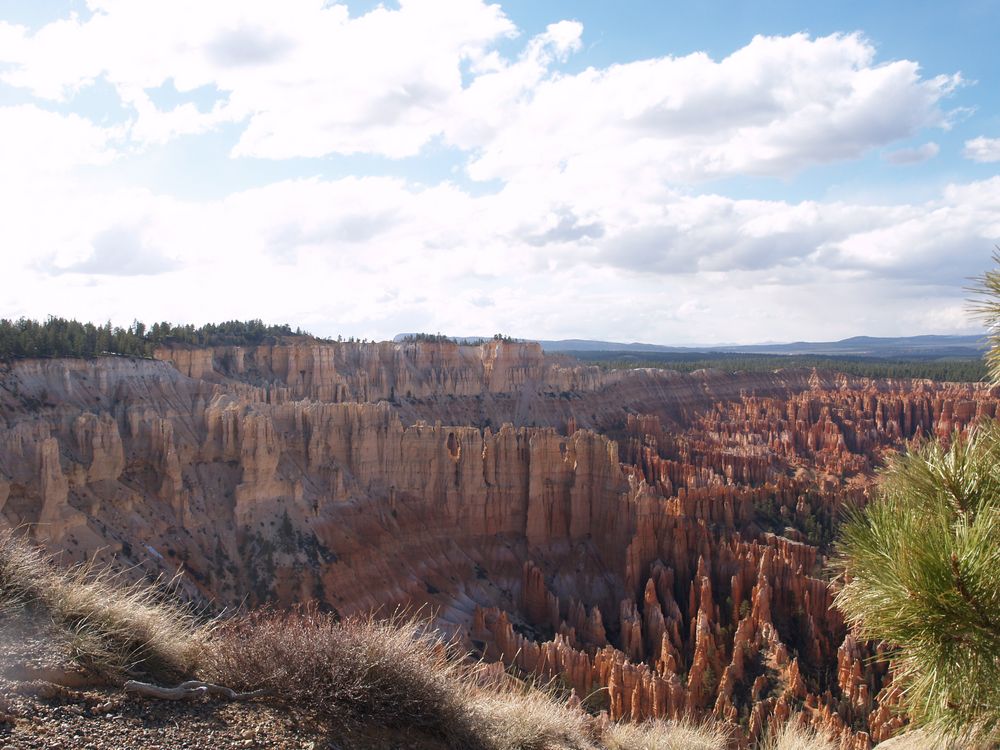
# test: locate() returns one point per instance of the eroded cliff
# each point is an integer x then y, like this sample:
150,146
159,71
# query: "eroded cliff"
655,540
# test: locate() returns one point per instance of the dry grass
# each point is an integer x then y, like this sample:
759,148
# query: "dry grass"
396,673
393,673
522,717
927,739
665,735
115,628
794,736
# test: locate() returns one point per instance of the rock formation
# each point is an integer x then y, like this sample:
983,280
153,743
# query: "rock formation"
655,541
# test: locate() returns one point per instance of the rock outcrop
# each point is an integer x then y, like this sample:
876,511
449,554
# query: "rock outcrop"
657,541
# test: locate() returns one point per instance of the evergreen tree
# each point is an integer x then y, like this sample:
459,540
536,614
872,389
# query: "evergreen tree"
58,337
921,568
922,573
986,305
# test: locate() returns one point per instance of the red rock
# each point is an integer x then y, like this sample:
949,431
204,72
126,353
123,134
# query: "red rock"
674,566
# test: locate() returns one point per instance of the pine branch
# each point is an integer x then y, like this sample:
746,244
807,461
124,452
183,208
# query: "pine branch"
985,621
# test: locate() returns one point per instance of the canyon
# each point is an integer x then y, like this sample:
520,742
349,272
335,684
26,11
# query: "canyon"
654,543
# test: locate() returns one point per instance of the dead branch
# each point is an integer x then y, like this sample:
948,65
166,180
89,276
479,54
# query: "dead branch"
190,690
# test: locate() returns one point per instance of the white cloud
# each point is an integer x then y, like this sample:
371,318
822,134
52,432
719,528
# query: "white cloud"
914,155
597,228
307,78
152,125
121,251
374,256
982,149
37,140
772,107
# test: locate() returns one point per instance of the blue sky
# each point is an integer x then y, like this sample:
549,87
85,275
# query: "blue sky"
656,171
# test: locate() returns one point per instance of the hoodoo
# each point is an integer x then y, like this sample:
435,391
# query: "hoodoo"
656,541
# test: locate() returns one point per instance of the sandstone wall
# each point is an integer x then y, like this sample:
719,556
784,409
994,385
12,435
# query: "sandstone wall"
676,560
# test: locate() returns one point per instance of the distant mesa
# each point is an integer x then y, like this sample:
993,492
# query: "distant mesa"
856,346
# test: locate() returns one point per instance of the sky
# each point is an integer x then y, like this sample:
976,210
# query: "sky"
666,172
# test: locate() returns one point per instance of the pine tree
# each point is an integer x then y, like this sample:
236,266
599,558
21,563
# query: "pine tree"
986,305
921,567
922,573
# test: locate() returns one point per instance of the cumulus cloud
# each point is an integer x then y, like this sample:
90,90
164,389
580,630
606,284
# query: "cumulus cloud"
38,140
599,225
562,225
938,242
307,79
914,155
772,107
982,149
120,251
248,45
322,253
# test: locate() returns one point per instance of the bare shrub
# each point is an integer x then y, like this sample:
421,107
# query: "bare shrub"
390,672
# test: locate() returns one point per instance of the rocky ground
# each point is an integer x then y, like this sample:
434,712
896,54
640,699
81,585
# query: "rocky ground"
46,704
41,715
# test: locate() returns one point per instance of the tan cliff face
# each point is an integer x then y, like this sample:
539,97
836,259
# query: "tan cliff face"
485,385
658,535
337,372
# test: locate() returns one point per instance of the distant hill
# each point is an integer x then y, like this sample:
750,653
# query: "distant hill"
857,346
